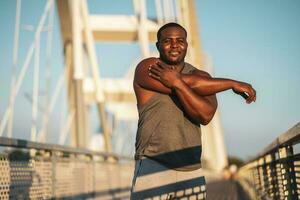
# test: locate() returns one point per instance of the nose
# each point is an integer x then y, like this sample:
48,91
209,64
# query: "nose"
174,44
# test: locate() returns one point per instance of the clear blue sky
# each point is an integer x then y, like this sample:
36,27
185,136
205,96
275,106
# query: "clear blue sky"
254,41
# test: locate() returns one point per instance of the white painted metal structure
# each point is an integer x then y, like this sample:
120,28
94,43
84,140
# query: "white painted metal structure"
32,53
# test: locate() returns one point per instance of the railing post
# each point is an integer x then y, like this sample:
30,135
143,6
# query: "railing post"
54,158
288,172
256,179
260,177
265,177
267,174
273,175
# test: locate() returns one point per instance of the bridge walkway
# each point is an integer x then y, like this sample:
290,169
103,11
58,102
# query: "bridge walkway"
226,190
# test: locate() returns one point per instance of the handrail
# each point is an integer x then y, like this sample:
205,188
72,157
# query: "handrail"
290,137
19,143
273,173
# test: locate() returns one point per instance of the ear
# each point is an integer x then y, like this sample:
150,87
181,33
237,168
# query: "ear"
157,45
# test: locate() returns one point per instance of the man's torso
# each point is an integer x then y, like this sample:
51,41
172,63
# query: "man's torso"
166,134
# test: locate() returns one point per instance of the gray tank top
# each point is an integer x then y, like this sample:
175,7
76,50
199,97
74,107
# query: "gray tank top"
166,134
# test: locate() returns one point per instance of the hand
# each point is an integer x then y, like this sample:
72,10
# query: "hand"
245,90
164,73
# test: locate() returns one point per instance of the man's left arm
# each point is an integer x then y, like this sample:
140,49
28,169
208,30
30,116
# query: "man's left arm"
202,85
205,85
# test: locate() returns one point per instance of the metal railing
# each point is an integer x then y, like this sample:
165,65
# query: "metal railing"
275,172
30,170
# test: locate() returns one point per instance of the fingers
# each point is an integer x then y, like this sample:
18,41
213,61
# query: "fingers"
155,70
162,65
244,95
159,68
154,76
247,92
251,95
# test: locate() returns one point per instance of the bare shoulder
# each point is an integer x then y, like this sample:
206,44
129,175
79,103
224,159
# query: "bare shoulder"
145,63
143,82
141,71
201,73
198,71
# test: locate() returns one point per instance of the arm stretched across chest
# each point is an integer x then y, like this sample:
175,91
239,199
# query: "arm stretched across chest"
196,91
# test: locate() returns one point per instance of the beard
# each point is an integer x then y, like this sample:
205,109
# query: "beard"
168,59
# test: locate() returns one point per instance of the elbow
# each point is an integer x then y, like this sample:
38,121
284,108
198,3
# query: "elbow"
203,119
206,119
205,122
208,116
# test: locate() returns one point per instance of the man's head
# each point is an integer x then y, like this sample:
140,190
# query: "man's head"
171,43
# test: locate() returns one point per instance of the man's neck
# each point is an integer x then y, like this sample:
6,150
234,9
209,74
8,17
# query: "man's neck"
178,66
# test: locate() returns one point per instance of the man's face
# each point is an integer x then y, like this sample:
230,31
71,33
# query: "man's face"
172,45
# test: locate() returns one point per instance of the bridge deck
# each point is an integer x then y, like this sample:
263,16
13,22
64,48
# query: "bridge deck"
226,190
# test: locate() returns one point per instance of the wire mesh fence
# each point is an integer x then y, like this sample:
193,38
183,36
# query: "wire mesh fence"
41,171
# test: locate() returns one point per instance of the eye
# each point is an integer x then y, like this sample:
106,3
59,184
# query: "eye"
166,41
181,41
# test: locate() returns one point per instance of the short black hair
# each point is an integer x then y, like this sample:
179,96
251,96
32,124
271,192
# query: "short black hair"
171,24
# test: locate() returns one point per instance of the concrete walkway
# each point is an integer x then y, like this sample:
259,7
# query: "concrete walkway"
226,190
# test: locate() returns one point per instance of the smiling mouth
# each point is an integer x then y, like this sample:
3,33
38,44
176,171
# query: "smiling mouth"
174,53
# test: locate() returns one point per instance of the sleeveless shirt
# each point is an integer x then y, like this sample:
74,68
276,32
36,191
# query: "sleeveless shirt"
166,134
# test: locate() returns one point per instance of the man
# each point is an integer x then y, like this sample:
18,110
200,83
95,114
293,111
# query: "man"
173,100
